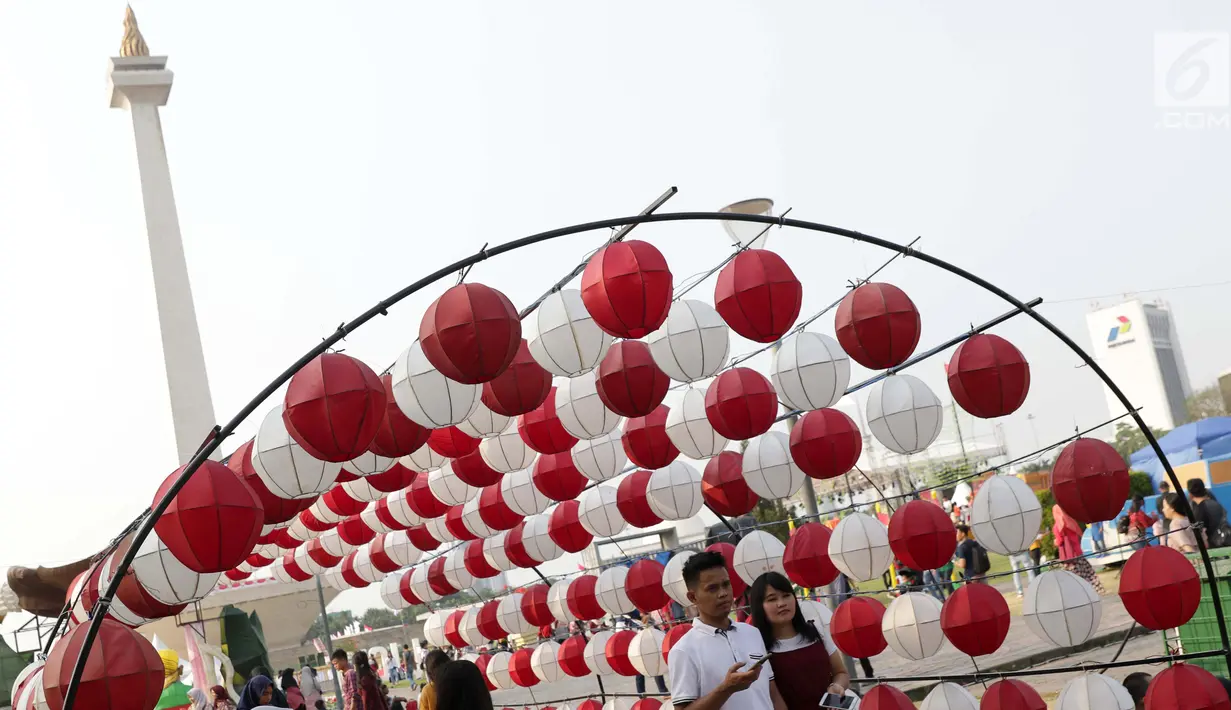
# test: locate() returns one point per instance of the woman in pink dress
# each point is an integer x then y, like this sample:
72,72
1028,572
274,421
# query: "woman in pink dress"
1067,533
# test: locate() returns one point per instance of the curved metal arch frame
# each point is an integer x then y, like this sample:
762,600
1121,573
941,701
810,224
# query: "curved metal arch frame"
219,434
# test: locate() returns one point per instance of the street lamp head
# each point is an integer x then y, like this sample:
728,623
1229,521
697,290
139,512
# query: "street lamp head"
750,234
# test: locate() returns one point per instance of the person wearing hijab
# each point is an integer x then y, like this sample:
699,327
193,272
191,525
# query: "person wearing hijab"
199,701
259,692
309,686
279,699
174,691
222,699
1067,533
294,697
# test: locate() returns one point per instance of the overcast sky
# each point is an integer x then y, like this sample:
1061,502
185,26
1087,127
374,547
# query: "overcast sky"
325,155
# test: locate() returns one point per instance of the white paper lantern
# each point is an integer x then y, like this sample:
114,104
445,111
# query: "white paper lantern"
673,577
859,547
278,568
1094,691
472,520
510,618
692,343
507,451
619,704
483,422
438,531
33,696
597,511
595,654
362,491
468,629
645,652
284,467
609,589
690,430
333,543
816,612
424,459
563,338
674,492
305,561
372,520
118,610
1005,515
449,488
332,576
537,541
166,578
391,593
434,628
1062,608
426,396
363,566
904,414
324,513
601,458
557,601
299,531
810,371
419,585
911,625
24,675
521,495
455,569
757,553
545,661
495,554
949,696
368,464
400,549
400,509
498,670
769,469
581,411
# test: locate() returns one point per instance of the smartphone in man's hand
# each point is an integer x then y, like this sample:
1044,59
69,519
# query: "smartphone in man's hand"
837,702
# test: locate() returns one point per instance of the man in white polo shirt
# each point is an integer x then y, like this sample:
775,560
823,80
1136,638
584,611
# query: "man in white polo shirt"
714,665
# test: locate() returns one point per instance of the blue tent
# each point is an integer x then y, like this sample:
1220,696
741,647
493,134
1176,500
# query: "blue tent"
1219,448
1184,444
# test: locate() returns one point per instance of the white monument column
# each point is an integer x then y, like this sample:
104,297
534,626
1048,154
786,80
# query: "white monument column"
141,83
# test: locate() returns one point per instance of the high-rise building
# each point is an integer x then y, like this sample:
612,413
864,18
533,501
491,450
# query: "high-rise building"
1137,344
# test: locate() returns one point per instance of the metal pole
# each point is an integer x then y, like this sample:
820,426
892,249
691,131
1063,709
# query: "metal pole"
337,685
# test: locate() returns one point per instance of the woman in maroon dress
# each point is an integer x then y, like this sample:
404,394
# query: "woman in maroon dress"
805,661
369,684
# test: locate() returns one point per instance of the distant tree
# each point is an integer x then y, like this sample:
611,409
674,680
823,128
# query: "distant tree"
1140,484
338,620
1048,543
379,618
1037,466
773,511
410,614
1129,439
1205,403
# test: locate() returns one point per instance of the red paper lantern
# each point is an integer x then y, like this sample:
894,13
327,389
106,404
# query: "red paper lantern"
379,555
648,704
342,503
877,325
299,574
1160,588
385,516
674,634
407,593
515,547
122,671
489,621
520,669
482,662
474,471
628,381
521,388
632,502
616,651
825,443
885,697
644,585
354,531
132,595
455,525
741,404
590,704
333,407
1013,694
421,538
1180,687
534,605
557,477
397,434
572,657
345,476
285,541
470,333
758,295
988,376
318,554
213,522
394,479
922,535
806,558
453,627
436,578
476,562
423,501
451,442
727,550
257,560
723,485
975,619
1090,481
565,529
646,442
541,429
494,511
276,510
582,601
235,575
626,287
856,627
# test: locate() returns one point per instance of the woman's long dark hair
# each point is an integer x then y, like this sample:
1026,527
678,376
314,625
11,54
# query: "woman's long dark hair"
460,685
288,679
756,603
363,667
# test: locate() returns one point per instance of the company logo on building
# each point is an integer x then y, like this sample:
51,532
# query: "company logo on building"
1119,331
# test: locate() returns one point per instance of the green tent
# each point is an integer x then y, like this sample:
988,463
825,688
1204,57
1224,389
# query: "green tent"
12,664
244,641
